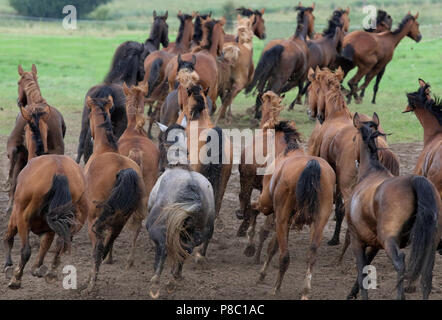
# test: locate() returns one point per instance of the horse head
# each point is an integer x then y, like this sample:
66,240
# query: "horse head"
160,28
99,115
307,13
28,87
271,108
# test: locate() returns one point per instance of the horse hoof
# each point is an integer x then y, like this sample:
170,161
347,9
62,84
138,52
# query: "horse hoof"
108,260
154,294
304,298
333,242
274,292
171,287
40,272
239,214
241,233
249,251
219,227
14,284
51,277
9,272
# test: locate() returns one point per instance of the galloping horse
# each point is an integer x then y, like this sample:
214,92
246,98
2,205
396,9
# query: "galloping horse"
206,55
371,52
127,67
115,187
52,124
300,191
332,139
387,212
429,113
258,24
283,63
181,220
50,199
158,35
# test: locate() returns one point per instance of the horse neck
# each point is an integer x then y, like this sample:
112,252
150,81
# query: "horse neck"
396,38
154,37
187,36
303,34
368,161
33,93
430,124
336,108
101,143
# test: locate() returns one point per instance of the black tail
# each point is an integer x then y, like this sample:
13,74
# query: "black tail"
60,210
348,52
154,75
307,193
124,198
212,171
267,64
423,233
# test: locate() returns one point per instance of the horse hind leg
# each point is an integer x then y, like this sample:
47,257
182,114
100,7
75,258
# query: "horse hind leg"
8,242
371,254
15,282
397,257
376,85
131,259
271,251
339,213
39,269
264,232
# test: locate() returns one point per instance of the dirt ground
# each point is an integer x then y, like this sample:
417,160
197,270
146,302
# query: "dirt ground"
228,275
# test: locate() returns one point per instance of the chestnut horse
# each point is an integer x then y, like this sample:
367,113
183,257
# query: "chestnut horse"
52,125
332,139
258,23
115,187
371,52
300,192
387,212
429,113
283,63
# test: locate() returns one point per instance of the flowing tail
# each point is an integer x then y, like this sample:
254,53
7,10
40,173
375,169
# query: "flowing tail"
177,220
137,217
60,214
423,233
268,63
124,198
307,193
154,75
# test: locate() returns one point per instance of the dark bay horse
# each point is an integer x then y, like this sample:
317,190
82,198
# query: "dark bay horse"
371,52
159,35
181,220
200,20
127,67
258,23
387,212
283,63
50,200
429,113
332,139
300,192
115,187
52,124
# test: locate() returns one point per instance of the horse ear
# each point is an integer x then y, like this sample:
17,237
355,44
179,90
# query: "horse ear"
210,14
89,102
20,70
126,89
422,82
179,13
34,69
25,114
194,14
110,103
416,16
376,119
356,121
263,10
313,5
311,75
154,14
144,87
409,12
348,10
238,17
299,4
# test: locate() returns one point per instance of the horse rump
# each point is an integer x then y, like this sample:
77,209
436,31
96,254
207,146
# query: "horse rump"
307,193
60,209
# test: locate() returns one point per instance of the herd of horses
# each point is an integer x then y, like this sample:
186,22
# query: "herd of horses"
127,178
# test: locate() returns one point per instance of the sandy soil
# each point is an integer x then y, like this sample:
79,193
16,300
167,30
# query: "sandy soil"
228,275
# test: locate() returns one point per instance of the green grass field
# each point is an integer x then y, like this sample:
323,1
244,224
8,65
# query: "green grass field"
70,62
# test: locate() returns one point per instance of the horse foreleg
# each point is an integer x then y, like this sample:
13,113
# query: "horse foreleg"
353,83
38,269
376,85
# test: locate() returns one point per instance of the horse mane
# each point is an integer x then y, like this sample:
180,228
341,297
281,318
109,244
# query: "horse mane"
198,30
36,134
300,16
434,106
369,138
291,135
200,104
334,96
183,19
333,23
404,21
210,25
122,67
32,89
107,124
248,12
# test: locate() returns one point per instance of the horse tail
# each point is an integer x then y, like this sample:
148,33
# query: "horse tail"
307,193
124,197
389,160
213,171
176,217
267,64
137,217
60,210
423,232
154,75
348,52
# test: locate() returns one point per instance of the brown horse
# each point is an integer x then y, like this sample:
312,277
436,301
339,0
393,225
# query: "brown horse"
332,139
387,212
50,200
52,126
204,138
300,191
371,52
249,178
429,113
240,69
115,187
283,63
258,23
200,20
205,65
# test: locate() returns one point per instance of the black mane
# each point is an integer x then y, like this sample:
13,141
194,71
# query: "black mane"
36,134
300,17
369,132
200,104
183,19
404,21
291,135
197,30
210,25
419,99
247,12
333,23
107,124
